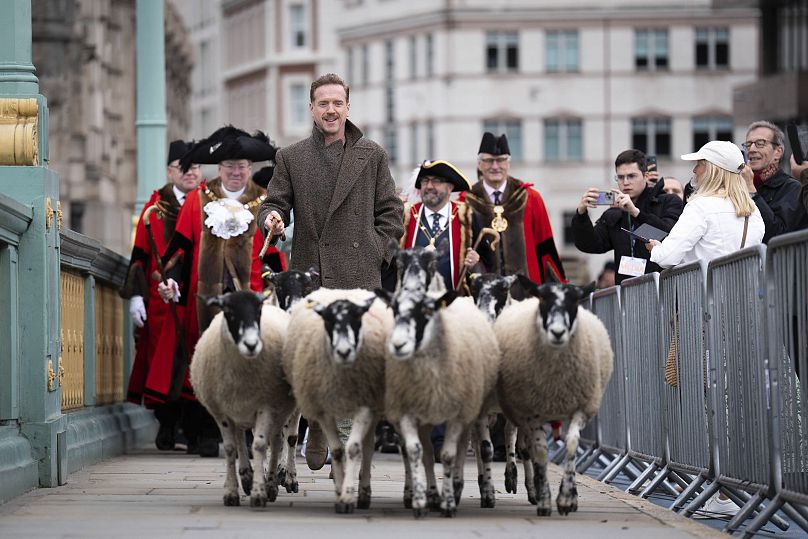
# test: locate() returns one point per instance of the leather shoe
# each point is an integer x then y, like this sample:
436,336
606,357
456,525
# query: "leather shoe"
208,447
316,450
165,438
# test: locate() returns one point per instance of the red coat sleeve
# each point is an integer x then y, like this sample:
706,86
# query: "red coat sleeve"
543,242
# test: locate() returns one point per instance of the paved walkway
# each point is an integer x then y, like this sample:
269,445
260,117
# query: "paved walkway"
155,495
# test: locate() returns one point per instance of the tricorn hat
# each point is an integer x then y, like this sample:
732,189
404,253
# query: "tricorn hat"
493,145
263,176
444,170
177,149
227,143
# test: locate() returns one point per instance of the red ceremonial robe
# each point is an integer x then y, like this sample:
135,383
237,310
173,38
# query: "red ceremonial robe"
202,270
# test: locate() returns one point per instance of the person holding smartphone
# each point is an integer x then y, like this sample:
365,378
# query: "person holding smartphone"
634,203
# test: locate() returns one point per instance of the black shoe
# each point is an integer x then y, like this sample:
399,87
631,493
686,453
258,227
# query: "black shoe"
165,438
208,447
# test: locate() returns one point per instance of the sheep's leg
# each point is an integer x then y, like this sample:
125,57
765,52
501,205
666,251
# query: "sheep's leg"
523,447
276,453
567,499
432,494
287,469
329,426
229,434
362,423
245,471
460,461
363,498
408,428
511,473
258,496
454,432
407,476
538,453
485,455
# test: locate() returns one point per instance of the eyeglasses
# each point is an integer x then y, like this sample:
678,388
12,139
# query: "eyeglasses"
488,161
191,168
626,177
434,181
759,143
230,167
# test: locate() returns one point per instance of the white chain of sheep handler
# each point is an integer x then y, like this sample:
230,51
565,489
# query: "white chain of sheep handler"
556,361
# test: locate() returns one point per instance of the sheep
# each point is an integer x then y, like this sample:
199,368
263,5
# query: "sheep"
334,358
491,292
556,362
442,361
237,375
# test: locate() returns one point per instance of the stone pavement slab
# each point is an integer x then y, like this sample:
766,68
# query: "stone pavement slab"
158,495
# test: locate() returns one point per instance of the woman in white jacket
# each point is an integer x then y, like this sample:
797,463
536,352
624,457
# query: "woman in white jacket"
719,218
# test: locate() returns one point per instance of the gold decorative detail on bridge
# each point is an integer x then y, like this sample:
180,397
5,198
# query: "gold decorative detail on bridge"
108,345
61,369
72,337
59,215
51,377
48,213
19,143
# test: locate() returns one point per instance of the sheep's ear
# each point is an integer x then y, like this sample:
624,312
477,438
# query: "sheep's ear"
510,279
446,299
385,295
529,286
588,289
363,307
318,308
313,272
212,301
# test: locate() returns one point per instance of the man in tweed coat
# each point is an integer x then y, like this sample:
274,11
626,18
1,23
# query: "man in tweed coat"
345,206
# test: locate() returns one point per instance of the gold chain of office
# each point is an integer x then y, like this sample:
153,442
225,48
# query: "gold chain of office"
247,205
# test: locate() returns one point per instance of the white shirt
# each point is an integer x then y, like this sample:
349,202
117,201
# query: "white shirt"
234,194
708,228
490,190
443,212
179,194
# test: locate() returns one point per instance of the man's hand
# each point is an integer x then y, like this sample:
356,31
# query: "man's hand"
797,169
472,257
651,244
588,200
623,201
170,291
652,177
138,310
748,176
274,224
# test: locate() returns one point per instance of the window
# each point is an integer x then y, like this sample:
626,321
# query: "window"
297,25
502,51
512,130
413,57
414,157
391,143
365,65
712,48
561,51
652,136
389,77
563,140
651,49
430,140
298,101
707,128
349,68
430,55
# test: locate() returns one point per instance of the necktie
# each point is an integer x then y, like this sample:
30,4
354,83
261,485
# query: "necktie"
497,194
435,224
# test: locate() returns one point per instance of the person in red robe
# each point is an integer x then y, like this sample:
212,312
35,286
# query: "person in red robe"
219,243
148,312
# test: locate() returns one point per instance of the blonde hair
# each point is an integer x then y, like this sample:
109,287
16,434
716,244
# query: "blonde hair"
717,182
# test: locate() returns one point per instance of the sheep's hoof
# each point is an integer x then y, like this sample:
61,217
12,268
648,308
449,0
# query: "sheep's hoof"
256,500
532,498
363,500
457,486
420,512
544,511
343,508
407,498
292,487
487,497
448,512
281,475
272,492
567,503
433,499
511,477
231,500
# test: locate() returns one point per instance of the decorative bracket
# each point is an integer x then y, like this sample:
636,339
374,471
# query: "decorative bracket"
59,217
51,377
19,144
48,213
61,369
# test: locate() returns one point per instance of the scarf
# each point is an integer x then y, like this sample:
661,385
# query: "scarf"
763,175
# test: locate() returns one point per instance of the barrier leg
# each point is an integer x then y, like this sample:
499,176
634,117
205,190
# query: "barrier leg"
763,517
586,462
740,517
797,513
741,498
689,491
615,468
635,487
584,455
701,499
655,482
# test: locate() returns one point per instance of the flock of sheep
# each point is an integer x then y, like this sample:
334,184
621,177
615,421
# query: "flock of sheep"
419,357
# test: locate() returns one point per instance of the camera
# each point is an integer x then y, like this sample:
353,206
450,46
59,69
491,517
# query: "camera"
605,198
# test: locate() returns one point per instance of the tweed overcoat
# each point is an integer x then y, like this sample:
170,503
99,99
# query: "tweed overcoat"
363,214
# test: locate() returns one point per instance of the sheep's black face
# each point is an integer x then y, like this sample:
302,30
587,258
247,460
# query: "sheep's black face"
490,292
242,313
558,308
417,265
343,326
292,286
413,318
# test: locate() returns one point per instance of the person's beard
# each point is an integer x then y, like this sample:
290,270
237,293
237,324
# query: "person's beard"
434,200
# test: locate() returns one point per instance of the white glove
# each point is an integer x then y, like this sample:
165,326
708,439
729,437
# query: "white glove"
138,310
169,292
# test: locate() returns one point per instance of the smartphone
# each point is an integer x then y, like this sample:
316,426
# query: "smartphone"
605,198
650,163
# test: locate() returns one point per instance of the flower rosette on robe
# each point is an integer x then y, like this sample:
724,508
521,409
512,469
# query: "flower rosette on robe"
227,218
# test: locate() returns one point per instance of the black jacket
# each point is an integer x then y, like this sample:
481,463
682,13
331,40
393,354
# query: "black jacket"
656,208
778,200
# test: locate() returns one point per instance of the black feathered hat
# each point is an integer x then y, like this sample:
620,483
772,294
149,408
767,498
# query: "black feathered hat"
493,145
228,143
263,176
177,149
445,170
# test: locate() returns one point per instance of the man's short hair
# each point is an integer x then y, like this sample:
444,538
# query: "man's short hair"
631,156
329,78
779,137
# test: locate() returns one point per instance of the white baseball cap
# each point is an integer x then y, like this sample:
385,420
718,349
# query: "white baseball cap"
721,153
